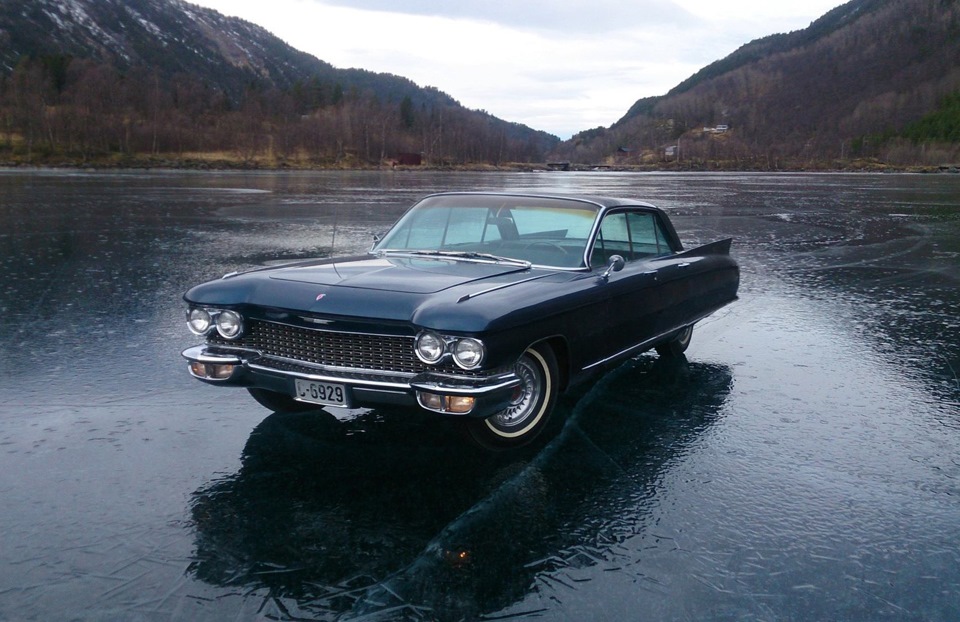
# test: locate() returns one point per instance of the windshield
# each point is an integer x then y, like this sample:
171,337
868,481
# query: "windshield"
541,231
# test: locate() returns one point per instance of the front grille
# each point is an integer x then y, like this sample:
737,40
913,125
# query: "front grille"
385,353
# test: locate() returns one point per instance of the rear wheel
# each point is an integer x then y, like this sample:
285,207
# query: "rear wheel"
678,344
530,407
279,402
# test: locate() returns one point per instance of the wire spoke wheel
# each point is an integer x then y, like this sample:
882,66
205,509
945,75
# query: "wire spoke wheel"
530,407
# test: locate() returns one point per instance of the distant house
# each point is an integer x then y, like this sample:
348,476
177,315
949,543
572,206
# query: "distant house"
720,129
670,151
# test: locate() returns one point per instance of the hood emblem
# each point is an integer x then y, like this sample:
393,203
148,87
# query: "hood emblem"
321,297
315,320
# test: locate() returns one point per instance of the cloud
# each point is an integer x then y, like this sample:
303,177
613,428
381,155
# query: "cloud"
568,16
556,65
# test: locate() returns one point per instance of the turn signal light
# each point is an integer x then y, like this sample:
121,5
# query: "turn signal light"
211,371
460,404
454,404
430,401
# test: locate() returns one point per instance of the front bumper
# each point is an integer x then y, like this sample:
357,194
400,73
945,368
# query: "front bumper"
490,393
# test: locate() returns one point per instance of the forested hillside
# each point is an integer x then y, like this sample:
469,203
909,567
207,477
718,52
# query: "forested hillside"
114,79
871,80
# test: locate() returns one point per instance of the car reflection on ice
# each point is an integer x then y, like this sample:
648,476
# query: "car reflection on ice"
337,517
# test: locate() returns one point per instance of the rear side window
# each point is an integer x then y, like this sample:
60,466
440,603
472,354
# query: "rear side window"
632,235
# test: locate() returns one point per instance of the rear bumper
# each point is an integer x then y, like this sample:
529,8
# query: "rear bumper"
491,393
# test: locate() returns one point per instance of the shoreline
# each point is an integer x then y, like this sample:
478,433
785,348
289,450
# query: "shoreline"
214,164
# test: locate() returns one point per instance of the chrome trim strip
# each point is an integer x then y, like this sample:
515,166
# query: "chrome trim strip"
200,355
331,378
335,369
507,382
644,345
328,330
455,385
504,286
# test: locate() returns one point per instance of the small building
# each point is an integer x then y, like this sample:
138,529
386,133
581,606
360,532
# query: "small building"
720,129
409,159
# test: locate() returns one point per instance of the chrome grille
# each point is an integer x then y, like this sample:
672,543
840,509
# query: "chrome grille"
386,353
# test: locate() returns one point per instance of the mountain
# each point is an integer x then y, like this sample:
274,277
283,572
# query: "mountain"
171,37
869,79
177,46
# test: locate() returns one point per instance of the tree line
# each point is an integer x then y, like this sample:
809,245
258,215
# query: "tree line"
58,106
879,85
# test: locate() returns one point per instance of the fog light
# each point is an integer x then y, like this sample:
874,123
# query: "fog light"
459,404
211,371
220,372
198,369
454,404
430,401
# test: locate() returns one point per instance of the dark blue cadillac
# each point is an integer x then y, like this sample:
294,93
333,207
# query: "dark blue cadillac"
476,306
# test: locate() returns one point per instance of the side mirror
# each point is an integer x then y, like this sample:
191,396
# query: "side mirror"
376,240
614,264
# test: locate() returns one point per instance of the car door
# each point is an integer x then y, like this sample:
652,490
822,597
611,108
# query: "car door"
634,303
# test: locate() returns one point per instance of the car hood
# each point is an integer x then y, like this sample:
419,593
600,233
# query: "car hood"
413,275
423,291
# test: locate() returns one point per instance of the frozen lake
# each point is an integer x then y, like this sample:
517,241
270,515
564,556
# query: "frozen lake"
803,463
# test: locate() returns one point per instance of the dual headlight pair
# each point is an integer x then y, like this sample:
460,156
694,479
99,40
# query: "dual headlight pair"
228,323
432,348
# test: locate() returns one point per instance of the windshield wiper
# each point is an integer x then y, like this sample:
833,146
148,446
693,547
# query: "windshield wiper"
468,255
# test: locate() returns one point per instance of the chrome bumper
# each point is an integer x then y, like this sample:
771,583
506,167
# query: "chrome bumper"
367,388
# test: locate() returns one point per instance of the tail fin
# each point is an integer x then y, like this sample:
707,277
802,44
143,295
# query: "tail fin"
721,247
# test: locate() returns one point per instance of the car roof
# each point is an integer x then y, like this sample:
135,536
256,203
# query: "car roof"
601,201
605,204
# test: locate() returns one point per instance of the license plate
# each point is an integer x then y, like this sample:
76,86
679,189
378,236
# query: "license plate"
326,393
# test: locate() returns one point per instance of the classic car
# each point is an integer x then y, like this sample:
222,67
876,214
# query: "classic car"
479,306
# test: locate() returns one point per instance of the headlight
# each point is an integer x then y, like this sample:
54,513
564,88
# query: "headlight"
229,324
430,348
199,321
468,353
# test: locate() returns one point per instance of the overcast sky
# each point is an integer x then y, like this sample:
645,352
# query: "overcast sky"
561,66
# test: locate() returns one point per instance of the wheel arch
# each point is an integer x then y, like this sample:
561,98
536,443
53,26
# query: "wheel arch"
561,351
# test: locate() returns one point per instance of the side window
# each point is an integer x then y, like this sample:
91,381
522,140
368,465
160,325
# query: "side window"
632,235
647,236
662,242
612,239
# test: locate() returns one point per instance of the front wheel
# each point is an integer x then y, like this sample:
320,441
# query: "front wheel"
530,407
678,344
